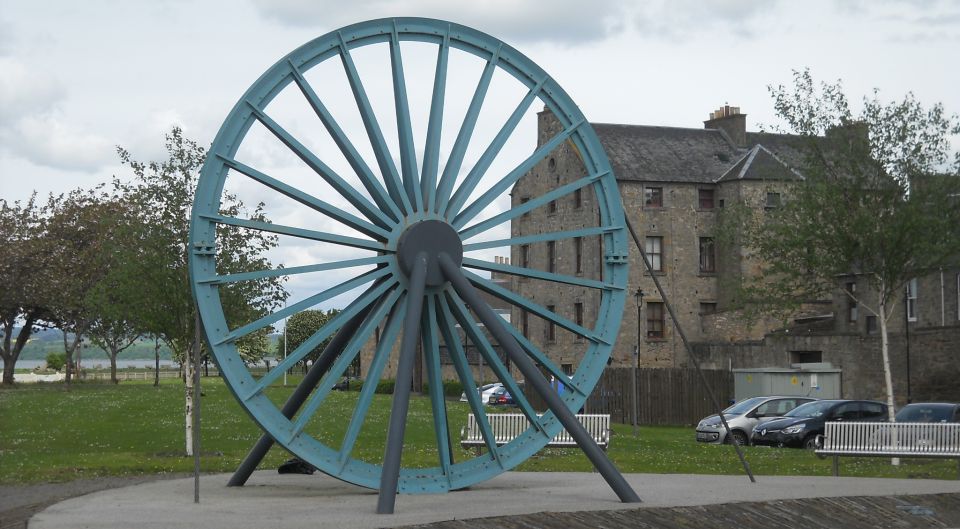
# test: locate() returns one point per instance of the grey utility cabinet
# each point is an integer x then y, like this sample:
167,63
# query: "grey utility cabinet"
820,380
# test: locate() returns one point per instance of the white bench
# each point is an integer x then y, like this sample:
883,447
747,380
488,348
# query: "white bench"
882,439
507,426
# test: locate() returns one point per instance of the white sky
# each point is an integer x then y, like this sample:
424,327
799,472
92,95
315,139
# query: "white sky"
79,78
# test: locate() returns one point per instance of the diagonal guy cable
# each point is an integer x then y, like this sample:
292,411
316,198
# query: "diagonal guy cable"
686,344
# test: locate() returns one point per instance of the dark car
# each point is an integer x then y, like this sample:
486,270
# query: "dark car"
800,427
929,412
500,397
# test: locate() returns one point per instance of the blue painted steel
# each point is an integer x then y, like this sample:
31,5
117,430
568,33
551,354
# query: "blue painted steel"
396,199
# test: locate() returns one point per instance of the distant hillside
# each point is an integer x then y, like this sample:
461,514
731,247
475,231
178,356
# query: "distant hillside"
46,341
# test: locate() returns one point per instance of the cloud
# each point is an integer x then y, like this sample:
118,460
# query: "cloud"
681,18
560,21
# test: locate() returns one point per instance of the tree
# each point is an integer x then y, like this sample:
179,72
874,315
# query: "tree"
23,274
162,199
300,327
879,199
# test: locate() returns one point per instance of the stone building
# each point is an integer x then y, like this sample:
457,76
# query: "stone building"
674,182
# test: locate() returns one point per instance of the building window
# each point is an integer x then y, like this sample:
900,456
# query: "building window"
654,249
655,320
525,255
552,206
853,308
708,308
578,254
653,197
708,258
958,296
552,164
551,256
912,300
551,331
525,323
578,313
720,202
705,198
806,357
871,324
524,200
773,201
578,198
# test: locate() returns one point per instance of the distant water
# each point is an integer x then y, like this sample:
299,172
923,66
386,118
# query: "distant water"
103,363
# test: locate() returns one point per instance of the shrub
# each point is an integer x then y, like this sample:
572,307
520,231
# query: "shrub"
56,361
385,387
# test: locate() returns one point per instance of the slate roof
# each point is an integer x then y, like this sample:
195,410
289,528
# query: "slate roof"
674,154
759,164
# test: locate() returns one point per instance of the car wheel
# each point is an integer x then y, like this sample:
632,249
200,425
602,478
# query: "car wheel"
739,437
810,442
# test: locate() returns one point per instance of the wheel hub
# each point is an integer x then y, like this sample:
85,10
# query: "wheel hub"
432,237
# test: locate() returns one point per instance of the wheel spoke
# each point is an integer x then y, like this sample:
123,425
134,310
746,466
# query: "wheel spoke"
343,361
523,303
536,274
390,473
530,205
473,177
293,270
374,372
315,299
309,200
329,175
380,150
500,187
540,237
470,326
297,232
408,154
431,347
459,359
368,297
542,359
431,155
367,178
455,161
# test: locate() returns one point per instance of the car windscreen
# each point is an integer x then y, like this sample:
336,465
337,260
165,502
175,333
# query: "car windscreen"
811,409
920,413
743,406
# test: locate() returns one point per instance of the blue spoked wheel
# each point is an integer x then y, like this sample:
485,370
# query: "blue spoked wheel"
403,216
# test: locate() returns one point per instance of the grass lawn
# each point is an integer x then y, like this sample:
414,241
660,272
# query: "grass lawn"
49,433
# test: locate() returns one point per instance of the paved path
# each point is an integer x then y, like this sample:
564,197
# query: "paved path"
295,501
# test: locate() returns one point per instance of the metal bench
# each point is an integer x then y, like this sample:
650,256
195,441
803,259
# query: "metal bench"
507,426
881,439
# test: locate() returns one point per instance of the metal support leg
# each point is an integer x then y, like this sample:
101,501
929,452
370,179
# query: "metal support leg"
533,377
836,466
300,395
390,474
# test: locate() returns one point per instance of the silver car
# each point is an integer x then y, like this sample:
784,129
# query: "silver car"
743,416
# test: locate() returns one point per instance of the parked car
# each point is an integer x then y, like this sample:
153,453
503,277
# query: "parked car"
929,412
800,427
500,397
743,416
484,391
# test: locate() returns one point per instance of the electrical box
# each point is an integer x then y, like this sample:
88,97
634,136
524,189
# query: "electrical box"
820,381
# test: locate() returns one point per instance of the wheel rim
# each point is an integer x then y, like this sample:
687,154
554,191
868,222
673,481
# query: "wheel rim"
402,214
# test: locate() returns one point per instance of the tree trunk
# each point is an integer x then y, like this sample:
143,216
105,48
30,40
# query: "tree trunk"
188,386
113,366
69,364
156,355
887,375
11,351
7,372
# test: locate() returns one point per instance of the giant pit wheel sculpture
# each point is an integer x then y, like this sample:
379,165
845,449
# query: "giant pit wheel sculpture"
410,231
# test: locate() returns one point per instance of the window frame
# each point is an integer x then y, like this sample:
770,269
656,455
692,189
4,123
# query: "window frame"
654,255
656,321
704,242
853,307
578,255
552,256
649,194
771,205
911,299
712,193
550,333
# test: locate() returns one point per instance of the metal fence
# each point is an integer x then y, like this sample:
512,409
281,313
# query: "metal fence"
665,396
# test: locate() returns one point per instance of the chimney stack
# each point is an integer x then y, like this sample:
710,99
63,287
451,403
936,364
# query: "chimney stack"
731,121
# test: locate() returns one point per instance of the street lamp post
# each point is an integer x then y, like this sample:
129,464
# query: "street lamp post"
638,296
